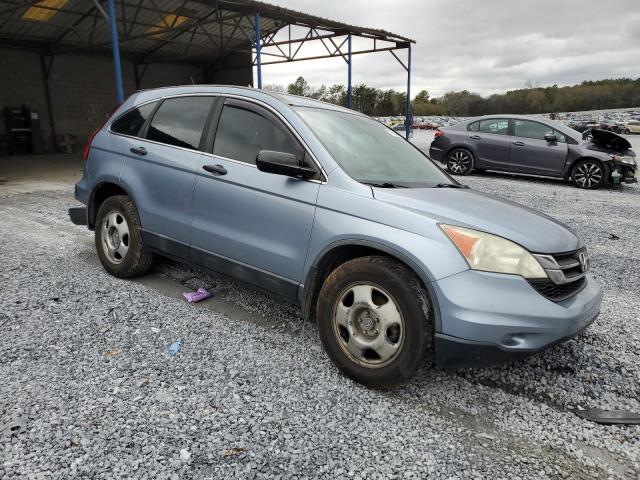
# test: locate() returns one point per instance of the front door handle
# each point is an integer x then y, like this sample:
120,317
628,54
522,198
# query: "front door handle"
217,169
475,137
520,144
139,151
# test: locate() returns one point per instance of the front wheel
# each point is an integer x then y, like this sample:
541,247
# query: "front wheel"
460,162
626,131
119,239
588,174
375,321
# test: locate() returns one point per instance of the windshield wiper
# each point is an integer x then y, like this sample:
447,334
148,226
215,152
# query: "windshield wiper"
385,185
450,185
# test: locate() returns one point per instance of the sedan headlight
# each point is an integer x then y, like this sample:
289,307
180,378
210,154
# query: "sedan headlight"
626,159
491,253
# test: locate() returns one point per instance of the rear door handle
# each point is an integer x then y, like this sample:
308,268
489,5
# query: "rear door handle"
217,169
520,144
139,151
475,137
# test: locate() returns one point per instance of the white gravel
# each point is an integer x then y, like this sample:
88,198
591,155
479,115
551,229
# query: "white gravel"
87,387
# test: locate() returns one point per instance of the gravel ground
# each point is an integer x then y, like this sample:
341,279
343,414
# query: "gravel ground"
88,388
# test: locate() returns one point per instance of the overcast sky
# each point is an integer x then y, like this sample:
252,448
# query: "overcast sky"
485,46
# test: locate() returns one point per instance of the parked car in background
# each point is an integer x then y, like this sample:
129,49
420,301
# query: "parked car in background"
398,264
582,126
532,146
632,126
609,124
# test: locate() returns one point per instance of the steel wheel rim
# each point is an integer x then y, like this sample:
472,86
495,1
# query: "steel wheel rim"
459,161
588,174
115,237
368,325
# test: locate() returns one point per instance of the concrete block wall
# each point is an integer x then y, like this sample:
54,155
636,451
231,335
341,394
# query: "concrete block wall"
83,87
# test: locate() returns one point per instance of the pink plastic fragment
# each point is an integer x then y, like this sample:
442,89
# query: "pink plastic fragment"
200,294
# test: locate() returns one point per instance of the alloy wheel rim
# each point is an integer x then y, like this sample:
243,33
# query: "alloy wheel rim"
588,174
115,237
368,325
459,161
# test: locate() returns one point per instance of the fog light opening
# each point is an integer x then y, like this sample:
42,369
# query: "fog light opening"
511,340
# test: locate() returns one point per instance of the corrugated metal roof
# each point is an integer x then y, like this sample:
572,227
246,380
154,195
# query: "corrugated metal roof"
212,29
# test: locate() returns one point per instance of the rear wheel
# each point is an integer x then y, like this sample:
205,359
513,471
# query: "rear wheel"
626,131
375,321
588,174
460,161
119,240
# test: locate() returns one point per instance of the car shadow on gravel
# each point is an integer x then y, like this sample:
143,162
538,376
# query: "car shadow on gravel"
541,180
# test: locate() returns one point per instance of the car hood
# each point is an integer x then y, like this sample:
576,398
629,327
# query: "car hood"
606,139
529,228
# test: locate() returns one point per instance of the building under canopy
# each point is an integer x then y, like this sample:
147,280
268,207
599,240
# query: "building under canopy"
69,62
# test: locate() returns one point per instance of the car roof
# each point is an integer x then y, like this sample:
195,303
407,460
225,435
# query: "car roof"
509,115
293,100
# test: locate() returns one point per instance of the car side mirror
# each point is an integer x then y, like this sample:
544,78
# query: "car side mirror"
282,163
551,138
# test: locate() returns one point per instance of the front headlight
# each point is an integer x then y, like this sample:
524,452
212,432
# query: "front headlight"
491,253
626,159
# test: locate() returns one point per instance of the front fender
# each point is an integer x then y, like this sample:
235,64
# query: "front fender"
424,275
347,218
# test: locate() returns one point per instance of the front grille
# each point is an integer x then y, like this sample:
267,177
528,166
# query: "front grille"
557,293
566,273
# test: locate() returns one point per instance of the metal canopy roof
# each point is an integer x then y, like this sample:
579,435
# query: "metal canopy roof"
193,31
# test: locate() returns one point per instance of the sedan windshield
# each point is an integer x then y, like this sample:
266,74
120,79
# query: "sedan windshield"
370,152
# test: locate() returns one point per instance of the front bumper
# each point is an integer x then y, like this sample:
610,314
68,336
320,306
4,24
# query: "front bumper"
489,318
627,172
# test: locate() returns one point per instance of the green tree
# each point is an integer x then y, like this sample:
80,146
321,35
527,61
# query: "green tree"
299,87
422,96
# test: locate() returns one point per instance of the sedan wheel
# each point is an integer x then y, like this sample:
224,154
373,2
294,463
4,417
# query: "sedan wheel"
588,174
460,162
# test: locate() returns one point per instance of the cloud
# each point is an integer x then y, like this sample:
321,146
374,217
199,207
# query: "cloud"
486,46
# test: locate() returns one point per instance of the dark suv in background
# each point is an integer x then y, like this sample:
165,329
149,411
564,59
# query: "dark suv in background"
532,146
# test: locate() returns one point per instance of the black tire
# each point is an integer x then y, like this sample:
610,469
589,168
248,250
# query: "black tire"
627,131
413,336
137,259
460,161
588,174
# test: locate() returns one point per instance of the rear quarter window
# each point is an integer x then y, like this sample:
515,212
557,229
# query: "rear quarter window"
131,122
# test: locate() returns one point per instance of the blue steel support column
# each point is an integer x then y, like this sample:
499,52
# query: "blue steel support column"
116,50
349,90
258,47
408,120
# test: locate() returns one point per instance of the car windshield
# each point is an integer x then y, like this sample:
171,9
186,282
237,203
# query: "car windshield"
370,152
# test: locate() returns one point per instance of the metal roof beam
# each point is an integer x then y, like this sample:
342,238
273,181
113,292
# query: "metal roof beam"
317,57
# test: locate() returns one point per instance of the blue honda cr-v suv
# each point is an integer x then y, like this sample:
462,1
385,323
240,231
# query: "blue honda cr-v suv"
399,265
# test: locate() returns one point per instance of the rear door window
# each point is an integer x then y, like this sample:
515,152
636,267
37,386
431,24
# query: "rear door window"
243,132
180,121
497,126
131,122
